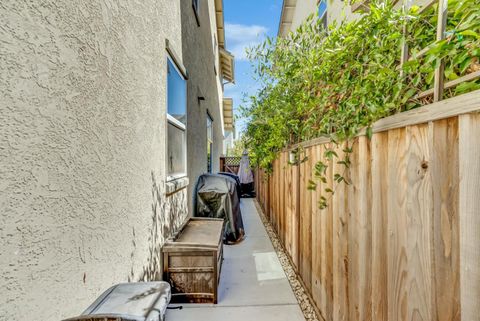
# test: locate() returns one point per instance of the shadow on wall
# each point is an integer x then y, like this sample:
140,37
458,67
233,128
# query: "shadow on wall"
168,214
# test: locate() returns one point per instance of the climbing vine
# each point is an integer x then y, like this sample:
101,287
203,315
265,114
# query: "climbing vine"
317,82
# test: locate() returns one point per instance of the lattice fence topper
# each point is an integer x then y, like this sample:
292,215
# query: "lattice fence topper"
233,160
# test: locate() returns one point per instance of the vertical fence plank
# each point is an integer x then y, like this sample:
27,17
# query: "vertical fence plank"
328,271
295,214
340,246
288,208
444,173
353,236
419,224
359,248
283,196
307,220
268,196
280,197
379,222
277,196
316,237
397,227
324,238
469,165
364,226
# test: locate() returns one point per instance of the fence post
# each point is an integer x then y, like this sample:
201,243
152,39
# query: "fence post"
441,25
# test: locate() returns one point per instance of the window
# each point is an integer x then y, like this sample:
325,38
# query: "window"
209,142
177,120
322,12
196,8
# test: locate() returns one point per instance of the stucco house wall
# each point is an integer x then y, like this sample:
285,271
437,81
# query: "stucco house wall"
337,11
303,9
199,55
82,150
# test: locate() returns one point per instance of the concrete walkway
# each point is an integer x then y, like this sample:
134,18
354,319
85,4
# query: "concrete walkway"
253,285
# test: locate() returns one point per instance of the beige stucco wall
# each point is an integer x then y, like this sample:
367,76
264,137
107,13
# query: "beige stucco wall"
198,55
337,10
340,11
82,145
303,9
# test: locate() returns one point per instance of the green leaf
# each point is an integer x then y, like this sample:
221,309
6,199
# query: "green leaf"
369,132
330,153
311,185
466,87
469,33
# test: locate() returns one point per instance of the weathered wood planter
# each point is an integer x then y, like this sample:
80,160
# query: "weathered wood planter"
192,261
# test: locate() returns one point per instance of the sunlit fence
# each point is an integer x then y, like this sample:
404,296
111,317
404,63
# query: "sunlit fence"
401,241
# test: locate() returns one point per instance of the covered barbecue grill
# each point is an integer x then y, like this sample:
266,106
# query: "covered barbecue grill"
237,181
217,196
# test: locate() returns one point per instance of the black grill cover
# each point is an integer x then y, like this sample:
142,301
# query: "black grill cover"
217,196
237,181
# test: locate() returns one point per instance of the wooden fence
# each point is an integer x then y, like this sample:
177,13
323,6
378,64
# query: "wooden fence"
402,241
230,164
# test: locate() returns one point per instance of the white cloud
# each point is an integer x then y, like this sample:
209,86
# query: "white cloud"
239,37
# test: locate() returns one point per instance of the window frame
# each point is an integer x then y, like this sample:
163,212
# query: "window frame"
324,16
196,10
171,120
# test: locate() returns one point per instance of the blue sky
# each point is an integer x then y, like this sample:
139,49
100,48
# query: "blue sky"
247,22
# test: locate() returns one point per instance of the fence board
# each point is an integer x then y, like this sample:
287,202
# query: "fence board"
353,241
328,274
289,208
326,261
316,236
397,226
379,173
419,219
340,247
295,214
306,221
364,228
469,156
282,196
444,169
402,241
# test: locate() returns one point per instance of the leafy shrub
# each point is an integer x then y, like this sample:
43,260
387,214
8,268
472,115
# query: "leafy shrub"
317,82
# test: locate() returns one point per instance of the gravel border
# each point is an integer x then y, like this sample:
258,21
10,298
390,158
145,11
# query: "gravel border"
303,298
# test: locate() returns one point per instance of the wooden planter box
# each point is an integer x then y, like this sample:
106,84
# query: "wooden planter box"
192,261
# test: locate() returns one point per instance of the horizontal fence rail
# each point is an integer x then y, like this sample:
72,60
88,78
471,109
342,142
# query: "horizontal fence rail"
402,240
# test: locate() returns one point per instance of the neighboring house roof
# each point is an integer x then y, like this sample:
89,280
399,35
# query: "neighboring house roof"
228,114
286,18
227,60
